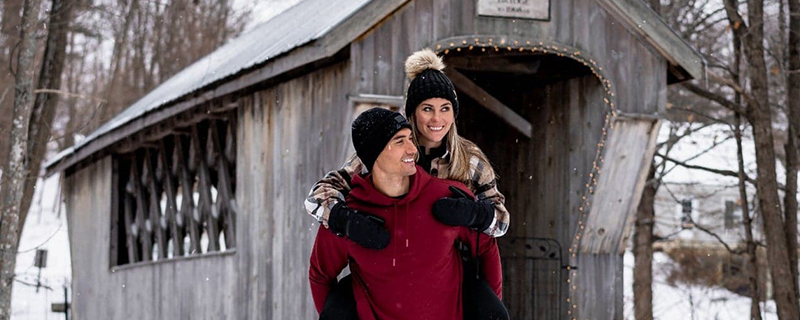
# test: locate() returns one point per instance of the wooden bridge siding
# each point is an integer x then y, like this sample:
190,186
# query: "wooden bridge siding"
201,288
637,72
289,136
600,290
544,178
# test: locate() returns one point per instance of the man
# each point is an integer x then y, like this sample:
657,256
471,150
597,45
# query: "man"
419,274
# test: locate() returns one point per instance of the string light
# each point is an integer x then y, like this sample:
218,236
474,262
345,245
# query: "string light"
610,113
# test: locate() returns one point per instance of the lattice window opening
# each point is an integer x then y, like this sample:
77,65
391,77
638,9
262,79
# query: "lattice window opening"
158,216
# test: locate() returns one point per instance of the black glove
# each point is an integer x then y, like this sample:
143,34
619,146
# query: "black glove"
364,229
462,210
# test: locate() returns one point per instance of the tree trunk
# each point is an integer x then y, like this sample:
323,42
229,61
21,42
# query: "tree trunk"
14,177
760,116
120,46
643,250
751,268
793,105
9,44
790,206
44,107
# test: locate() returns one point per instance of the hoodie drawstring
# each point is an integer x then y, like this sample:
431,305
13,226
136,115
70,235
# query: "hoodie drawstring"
394,236
405,230
406,225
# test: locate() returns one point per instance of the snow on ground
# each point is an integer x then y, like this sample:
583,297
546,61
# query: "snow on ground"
46,228
688,302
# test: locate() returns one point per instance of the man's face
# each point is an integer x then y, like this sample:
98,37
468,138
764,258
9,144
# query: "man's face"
397,157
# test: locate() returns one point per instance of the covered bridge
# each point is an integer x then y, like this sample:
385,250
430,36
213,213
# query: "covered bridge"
188,205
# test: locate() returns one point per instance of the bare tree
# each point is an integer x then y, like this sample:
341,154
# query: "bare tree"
45,103
9,45
120,47
751,268
793,106
13,178
759,114
643,250
751,257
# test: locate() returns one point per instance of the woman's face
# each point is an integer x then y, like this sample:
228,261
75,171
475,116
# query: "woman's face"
433,120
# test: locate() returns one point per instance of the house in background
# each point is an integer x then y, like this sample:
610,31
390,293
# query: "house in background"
696,210
188,205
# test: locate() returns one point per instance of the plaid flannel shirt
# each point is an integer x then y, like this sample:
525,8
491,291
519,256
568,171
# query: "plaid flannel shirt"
335,186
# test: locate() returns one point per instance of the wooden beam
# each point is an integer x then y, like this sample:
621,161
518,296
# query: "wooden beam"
628,152
484,63
489,102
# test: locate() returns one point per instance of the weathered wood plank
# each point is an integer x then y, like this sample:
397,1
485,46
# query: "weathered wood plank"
189,211
157,221
600,291
487,63
649,25
383,57
226,202
619,186
132,233
175,220
143,222
206,206
466,86
116,215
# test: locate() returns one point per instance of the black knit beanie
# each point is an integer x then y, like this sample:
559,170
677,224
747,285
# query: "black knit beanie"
372,130
424,69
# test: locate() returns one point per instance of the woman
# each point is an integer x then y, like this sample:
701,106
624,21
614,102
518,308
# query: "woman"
431,107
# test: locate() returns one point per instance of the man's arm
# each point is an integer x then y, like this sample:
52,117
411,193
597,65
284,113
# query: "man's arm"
329,191
328,259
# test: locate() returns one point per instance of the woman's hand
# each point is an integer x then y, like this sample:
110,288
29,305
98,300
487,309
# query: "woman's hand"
463,210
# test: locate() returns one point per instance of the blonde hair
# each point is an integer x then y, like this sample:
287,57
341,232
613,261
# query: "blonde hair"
461,152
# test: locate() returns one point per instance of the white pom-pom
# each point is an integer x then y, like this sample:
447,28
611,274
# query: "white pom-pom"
422,60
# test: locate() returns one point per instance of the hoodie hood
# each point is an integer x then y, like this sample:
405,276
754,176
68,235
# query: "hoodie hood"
366,193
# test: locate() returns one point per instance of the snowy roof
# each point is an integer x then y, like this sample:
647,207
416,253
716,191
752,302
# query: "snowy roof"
307,21
297,28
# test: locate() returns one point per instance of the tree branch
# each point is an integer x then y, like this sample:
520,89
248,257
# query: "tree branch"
737,22
716,236
733,106
727,173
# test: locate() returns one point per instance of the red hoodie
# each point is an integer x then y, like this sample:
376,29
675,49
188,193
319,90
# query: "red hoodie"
419,275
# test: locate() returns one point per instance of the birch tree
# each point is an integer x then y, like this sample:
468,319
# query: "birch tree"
13,179
46,98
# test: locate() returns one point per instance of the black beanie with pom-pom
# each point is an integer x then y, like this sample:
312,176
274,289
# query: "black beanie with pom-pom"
424,69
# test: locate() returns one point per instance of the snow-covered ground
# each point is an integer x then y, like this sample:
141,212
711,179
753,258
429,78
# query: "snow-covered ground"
712,146
688,302
46,228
